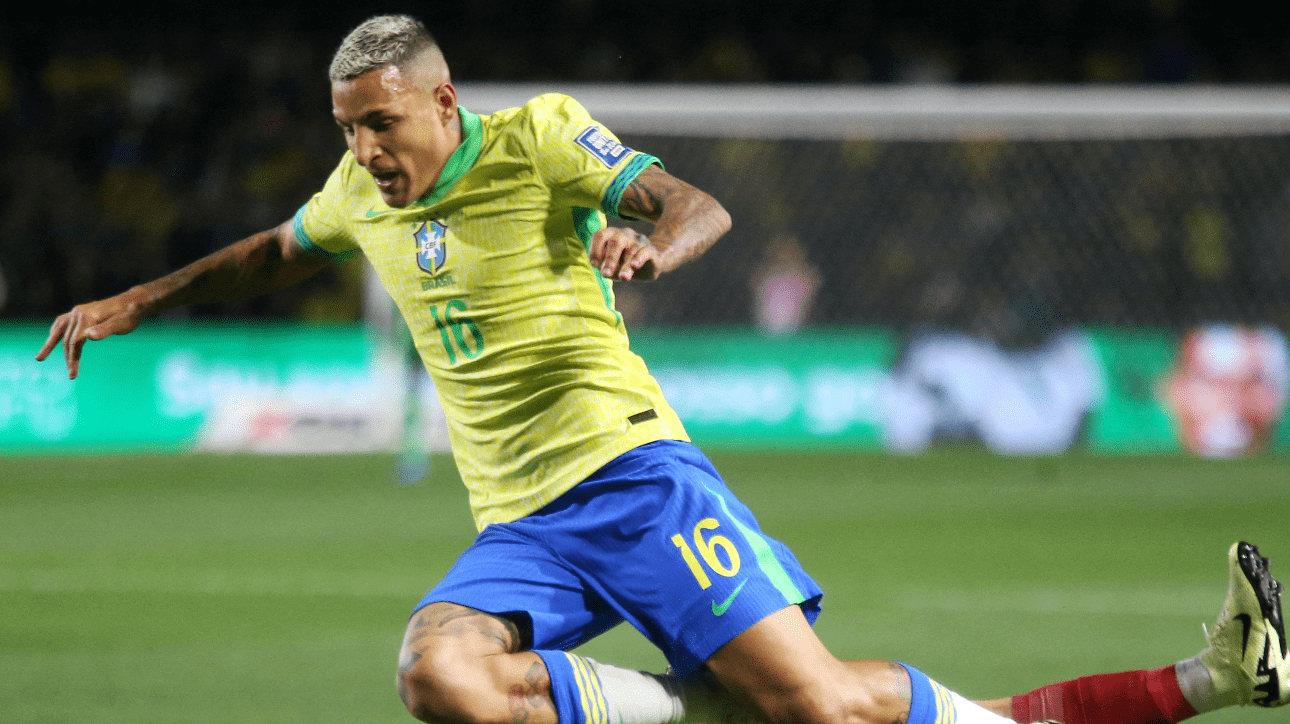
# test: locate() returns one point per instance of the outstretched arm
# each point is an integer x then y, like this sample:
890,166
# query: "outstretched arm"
686,222
266,262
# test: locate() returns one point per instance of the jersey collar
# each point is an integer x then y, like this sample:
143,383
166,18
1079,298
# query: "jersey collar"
461,159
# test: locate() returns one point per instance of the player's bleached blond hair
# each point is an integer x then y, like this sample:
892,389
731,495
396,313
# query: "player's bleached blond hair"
380,42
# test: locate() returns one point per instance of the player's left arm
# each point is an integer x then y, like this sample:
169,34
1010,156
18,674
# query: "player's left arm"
686,222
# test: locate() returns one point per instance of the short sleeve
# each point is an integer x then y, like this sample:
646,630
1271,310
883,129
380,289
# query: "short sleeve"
581,162
319,225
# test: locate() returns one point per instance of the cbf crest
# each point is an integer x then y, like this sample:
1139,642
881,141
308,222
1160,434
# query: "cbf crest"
431,250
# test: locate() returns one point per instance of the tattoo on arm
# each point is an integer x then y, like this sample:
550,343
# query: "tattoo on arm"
686,220
642,202
253,266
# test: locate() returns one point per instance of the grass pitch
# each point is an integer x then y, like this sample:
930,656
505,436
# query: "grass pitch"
246,589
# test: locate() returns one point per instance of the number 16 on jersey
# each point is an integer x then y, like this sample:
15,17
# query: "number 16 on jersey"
708,548
450,322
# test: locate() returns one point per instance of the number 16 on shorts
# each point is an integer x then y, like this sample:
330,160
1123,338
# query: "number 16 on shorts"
726,565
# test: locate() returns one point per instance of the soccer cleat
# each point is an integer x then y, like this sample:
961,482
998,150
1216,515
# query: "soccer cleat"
1247,647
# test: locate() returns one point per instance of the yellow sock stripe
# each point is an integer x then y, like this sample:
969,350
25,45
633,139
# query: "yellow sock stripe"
593,702
946,713
598,694
582,688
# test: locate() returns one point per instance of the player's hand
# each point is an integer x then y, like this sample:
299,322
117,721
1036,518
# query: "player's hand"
625,254
115,315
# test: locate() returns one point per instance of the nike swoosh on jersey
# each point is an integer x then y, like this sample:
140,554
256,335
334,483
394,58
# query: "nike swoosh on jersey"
373,212
720,608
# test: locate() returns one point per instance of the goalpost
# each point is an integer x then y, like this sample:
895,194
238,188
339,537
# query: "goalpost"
909,113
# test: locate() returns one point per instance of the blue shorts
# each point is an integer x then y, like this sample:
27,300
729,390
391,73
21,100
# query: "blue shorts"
654,538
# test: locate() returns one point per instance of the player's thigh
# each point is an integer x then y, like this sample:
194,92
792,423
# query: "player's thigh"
774,657
522,582
659,536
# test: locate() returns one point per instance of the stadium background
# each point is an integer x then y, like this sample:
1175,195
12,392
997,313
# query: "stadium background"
199,587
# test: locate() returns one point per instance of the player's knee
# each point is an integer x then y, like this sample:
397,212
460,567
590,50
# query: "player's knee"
446,687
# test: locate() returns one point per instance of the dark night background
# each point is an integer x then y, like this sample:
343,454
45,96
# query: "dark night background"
137,140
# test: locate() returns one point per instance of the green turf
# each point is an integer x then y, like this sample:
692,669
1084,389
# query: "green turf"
247,589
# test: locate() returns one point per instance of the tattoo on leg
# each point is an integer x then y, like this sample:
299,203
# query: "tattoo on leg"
904,691
458,621
406,662
418,630
449,621
530,696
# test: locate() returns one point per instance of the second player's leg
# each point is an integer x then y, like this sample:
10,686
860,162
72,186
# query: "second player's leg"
460,665
780,670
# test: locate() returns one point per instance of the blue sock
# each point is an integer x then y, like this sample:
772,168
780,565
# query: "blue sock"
929,702
575,689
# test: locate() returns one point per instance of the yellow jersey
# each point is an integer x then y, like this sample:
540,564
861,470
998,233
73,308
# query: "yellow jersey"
516,327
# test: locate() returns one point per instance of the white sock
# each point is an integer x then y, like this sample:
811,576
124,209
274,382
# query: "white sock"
639,697
1198,686
970,712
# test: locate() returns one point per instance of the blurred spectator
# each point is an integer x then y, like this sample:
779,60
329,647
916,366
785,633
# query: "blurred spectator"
784,286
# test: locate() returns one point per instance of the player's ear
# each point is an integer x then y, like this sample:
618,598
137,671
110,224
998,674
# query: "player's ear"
445,101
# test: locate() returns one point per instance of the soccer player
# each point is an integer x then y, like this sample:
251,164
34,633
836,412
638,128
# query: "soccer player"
489,233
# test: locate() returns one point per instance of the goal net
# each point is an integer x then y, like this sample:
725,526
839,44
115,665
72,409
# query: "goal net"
1003,210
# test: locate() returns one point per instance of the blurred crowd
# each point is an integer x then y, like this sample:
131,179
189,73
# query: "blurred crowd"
136,142
1011,241
126,157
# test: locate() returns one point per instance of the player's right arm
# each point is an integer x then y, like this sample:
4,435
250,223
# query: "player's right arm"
260,264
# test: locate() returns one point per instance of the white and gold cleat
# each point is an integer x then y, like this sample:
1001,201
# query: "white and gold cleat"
1246,657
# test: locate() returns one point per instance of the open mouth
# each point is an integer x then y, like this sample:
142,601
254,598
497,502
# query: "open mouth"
385,180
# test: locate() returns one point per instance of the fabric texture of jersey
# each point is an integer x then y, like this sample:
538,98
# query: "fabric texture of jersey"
654,538
517,329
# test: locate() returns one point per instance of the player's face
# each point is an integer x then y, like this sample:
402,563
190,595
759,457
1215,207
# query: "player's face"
400,131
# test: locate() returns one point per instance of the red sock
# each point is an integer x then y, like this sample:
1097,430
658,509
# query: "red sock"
1133,697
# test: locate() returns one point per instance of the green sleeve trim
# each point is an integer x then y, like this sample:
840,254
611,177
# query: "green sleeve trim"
614,194
586,222
302,238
